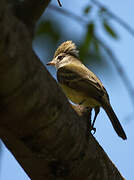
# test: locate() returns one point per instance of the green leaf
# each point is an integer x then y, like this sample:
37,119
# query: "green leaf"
91,28
87,9
87,41
96,47
89,34
102,10
109,29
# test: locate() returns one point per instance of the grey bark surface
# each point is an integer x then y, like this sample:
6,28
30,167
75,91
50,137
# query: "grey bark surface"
37,124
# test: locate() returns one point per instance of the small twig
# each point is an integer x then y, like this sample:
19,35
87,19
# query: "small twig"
115,17
59,3
68,14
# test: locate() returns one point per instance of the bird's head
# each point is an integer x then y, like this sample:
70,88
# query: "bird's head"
63,53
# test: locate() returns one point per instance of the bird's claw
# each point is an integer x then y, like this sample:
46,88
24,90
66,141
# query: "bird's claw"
93,129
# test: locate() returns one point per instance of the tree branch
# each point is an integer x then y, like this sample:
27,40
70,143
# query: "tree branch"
119,68
65,12
37,123
29,11
35,167
115,17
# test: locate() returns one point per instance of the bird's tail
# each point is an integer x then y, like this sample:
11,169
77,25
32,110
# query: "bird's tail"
114,120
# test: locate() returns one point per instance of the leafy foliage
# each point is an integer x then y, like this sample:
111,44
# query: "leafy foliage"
87,9
85,46
109,29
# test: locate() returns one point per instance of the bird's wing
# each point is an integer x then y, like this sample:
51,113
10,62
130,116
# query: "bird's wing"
81,79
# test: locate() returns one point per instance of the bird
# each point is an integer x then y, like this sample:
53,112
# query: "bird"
81,85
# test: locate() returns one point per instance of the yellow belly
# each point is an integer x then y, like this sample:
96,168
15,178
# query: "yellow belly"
78,97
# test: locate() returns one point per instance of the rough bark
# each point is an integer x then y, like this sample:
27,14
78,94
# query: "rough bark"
37,124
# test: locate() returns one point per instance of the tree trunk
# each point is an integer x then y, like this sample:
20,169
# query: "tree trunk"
37,124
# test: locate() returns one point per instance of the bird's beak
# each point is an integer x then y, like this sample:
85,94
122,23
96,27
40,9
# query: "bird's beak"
51,63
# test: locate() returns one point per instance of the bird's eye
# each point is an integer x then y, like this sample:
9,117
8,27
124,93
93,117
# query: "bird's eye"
60,57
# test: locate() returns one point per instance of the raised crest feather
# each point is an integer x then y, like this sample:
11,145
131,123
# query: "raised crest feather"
67,47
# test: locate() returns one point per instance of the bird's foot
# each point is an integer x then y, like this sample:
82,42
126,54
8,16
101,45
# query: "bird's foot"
93,129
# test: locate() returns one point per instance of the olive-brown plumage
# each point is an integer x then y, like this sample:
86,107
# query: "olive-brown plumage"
82,85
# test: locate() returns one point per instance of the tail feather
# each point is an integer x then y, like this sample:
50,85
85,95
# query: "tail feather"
114,120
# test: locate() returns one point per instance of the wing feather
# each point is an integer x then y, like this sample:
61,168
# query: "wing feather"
79,80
